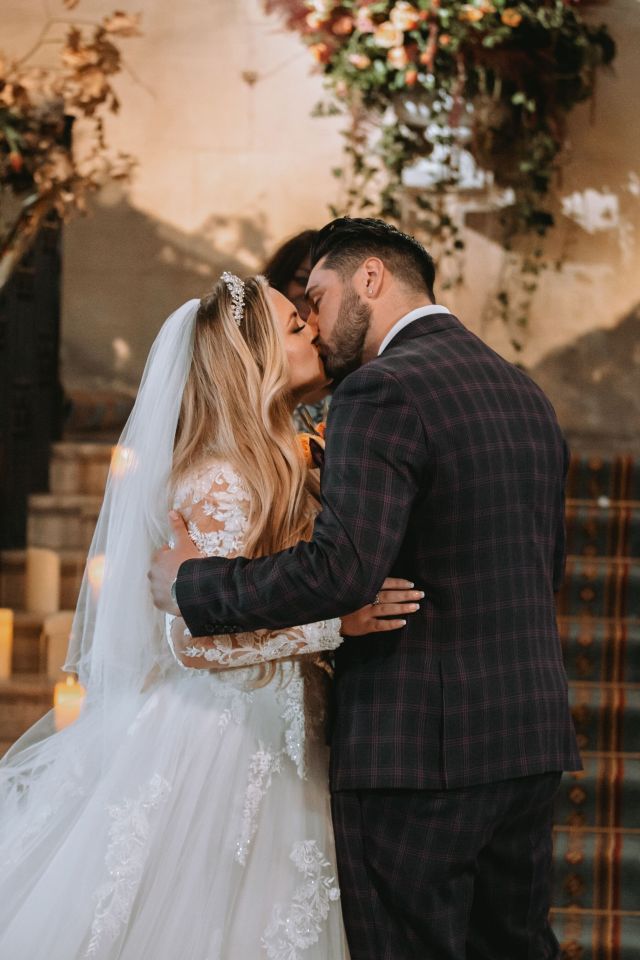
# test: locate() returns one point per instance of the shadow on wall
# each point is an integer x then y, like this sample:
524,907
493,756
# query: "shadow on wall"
594,386
130,271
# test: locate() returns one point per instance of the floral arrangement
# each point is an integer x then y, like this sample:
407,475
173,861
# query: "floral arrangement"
39,170
312,443
441,79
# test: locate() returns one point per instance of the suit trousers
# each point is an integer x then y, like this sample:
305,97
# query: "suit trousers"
461,874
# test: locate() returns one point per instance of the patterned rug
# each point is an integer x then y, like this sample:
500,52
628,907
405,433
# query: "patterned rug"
597,840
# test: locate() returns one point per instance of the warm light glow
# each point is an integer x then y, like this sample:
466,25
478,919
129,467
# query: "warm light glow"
68,697
122,460
6,642
42,581
95,573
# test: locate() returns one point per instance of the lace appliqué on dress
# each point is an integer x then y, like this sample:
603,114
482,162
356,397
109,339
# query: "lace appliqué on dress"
225,500
125,858
248,649
297,928
69,783
263,764
292,697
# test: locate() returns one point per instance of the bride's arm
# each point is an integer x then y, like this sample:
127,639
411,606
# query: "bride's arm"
217,520
396,599
215,508
228,652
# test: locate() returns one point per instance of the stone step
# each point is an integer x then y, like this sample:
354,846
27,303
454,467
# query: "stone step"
79,468
23,701
62,521
12,577
28,655
97,415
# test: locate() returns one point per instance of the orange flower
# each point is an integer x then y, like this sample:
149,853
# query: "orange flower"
320,52
511,17
411,77
306,439
397,58
404,16
360,60
315,20
444,39
470,14
343,26
387,35
15,161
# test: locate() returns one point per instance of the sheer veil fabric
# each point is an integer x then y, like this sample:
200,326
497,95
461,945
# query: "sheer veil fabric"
118,635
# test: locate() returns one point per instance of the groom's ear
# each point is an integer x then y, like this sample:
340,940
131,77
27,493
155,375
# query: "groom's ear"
371,275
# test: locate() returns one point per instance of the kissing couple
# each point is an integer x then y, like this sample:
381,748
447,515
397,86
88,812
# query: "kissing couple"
187,814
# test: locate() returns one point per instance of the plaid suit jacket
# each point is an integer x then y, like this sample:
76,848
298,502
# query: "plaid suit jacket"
445,465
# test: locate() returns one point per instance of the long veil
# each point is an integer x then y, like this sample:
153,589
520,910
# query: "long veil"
117,644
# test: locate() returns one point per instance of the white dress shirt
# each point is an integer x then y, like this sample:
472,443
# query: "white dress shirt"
409,318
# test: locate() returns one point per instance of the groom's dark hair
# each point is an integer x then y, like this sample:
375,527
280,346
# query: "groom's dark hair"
346,242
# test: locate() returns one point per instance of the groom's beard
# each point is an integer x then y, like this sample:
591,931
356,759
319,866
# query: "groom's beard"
344,353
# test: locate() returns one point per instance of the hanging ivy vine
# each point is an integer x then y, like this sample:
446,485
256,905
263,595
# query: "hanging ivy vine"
478,93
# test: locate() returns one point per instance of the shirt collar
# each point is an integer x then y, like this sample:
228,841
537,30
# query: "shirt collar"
408,318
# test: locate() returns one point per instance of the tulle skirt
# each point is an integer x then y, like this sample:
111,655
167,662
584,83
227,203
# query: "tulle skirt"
199,831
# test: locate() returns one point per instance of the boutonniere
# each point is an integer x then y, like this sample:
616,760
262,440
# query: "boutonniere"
312,442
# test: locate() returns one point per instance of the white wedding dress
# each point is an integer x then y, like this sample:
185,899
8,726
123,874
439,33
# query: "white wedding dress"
207,836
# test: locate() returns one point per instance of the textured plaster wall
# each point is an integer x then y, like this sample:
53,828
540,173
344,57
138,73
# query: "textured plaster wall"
227,169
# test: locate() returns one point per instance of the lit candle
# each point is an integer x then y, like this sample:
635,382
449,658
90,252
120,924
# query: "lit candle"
68,697
95,573
42,589
122,460
6,642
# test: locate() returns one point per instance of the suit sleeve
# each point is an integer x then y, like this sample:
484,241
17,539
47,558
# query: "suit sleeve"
560,551
375,462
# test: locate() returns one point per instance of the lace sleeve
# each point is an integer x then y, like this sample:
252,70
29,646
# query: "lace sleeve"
215,506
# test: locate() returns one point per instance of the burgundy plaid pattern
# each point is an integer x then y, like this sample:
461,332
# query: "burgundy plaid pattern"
444,464
447,875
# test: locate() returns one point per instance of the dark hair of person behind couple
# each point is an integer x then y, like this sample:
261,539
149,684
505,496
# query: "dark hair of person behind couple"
347,241
283,265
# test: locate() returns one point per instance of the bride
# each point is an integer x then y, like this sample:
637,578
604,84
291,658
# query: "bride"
184,815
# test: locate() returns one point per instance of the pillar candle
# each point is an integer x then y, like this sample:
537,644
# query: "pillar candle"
42,589
6,642
56,631
68,696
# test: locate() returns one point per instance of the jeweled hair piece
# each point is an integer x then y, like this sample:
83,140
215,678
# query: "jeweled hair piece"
235,286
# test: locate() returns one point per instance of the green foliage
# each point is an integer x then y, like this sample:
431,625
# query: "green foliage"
496,78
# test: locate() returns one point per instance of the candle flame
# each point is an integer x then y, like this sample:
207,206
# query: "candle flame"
95,572
122,460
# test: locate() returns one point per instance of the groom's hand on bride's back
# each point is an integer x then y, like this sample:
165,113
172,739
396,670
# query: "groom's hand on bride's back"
395,600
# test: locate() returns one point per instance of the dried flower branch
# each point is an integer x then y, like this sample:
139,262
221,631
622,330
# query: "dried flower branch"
39,169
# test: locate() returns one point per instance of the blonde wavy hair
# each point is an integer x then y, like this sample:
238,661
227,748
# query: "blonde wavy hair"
236,406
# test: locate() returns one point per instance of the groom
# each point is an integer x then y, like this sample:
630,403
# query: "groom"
445,465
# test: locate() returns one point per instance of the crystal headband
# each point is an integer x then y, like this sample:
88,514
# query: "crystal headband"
235,286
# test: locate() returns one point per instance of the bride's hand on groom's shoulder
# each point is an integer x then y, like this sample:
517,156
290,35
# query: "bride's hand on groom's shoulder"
395,600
